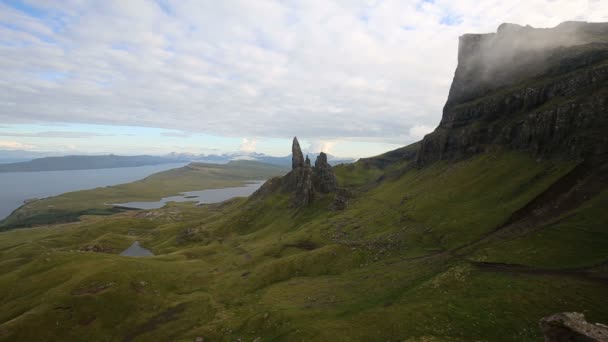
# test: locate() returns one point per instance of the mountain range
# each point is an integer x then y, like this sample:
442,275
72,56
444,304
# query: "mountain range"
24,161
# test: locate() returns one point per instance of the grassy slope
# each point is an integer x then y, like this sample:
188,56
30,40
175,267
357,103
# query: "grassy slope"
196,176
376,271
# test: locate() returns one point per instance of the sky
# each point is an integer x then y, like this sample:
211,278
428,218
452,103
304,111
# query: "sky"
351,78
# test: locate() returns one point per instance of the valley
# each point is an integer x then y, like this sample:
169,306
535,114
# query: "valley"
389,266
487,225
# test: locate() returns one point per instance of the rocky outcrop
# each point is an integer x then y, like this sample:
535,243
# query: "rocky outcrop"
572,327
304,192
324,179
297,158
299,180
539,90
303,181
341,199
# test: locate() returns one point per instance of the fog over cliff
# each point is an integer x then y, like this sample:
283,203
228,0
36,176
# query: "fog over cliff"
487,61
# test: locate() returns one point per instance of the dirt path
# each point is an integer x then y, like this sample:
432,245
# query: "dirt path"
581,273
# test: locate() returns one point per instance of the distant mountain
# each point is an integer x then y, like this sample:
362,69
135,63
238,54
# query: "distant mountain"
27,161
282,161
86,162
14,156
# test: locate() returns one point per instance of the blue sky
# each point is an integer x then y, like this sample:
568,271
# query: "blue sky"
353,78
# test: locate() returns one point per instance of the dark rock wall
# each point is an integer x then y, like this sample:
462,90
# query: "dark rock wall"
305,181
527,89
297,158
324,179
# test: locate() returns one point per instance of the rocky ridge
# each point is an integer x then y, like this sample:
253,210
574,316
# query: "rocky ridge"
522,88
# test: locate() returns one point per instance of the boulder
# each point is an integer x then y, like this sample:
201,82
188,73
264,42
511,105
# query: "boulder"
572,327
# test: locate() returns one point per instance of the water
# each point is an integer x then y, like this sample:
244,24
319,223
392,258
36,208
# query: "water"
135,250
201,196
15,187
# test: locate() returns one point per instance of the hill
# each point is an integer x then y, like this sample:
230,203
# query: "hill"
464,236
85,162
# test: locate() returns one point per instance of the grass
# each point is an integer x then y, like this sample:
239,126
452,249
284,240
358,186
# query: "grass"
378,270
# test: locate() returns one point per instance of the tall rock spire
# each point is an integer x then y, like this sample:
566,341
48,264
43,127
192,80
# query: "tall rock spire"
297,158
324,179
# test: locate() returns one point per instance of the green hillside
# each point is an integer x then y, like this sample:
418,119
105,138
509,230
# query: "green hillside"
488,224
419,254
85,163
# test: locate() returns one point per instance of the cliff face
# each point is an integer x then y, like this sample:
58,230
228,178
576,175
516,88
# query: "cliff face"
540,90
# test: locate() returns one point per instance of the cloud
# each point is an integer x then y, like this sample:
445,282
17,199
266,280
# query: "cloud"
177,134
317,146
248,145
54,134
14,145
324,70
418,132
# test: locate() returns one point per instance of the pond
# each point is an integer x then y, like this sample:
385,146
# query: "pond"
201,196
135,250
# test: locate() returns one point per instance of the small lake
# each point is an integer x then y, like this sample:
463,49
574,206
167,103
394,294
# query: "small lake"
201,196
15,187
135,250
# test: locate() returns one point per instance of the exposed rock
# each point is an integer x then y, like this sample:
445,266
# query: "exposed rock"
303,180
298,180
185,235
490,61
406,153
538,90
297,158
304,191
270,186
341,200
96,248
572,327
324,178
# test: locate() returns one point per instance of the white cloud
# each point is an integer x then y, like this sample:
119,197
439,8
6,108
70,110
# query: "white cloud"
55,134
248,145
418,132
323,70
14,145
317,146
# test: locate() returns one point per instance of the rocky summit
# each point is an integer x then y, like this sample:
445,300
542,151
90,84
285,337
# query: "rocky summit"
297,158
539,90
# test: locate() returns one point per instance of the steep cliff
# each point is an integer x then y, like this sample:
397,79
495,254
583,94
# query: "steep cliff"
539,90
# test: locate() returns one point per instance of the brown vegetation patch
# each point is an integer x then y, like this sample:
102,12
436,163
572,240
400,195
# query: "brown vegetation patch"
93,288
